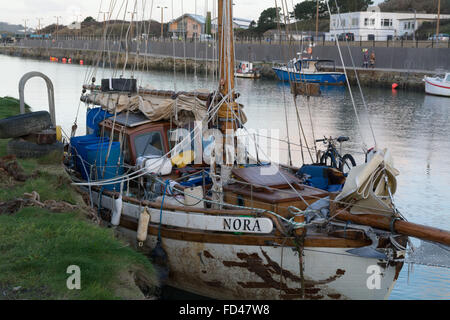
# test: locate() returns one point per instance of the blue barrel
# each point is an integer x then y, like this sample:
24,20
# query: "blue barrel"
93,117
78,150
96,154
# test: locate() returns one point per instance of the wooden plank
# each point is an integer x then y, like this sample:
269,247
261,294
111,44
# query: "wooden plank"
399,226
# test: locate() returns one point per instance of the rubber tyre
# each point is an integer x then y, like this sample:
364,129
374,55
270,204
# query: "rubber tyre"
26,149
328,159
24,124
347,163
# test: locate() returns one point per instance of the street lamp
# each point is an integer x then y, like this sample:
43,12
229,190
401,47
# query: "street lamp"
415,23
57,25
25,20
39,24
162,19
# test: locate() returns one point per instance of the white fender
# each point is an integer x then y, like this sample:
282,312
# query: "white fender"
116,211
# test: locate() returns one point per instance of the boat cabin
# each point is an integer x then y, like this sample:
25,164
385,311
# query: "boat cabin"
141,137
314,65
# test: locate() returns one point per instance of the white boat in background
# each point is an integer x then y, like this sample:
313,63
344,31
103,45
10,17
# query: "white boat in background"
246,70
439,86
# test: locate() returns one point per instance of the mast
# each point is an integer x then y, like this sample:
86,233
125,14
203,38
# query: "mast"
227,118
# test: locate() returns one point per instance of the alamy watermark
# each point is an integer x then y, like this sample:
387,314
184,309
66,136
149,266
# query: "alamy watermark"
374,280
212,145
74,280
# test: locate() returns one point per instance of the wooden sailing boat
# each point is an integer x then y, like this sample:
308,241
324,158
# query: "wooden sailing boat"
228,231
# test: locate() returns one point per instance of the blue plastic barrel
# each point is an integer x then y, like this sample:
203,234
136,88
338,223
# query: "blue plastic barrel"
93,117
96,155
78,150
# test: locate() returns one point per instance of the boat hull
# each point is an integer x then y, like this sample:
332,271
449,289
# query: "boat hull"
332,78
247,75
438,88
231,268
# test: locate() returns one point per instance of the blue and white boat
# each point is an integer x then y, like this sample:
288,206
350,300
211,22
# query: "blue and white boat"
311,70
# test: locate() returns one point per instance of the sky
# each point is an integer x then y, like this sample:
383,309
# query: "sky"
17,11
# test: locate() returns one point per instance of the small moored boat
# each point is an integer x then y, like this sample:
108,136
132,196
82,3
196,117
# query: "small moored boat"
438,85
246,70
311,70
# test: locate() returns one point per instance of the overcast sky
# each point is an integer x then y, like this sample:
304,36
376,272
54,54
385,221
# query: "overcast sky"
16,11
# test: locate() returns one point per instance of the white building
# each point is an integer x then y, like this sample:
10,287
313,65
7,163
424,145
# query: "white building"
376,25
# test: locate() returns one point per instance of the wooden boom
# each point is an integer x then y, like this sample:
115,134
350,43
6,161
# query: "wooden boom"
399,226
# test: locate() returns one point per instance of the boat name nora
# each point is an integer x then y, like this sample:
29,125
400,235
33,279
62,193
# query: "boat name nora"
241,224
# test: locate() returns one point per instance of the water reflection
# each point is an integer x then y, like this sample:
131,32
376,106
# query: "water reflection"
414,126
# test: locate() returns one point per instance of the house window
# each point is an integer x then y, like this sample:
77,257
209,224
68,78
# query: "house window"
355,21
386,22
372,22
343,22
366,21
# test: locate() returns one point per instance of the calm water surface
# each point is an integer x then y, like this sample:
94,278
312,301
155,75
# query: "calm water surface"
414,126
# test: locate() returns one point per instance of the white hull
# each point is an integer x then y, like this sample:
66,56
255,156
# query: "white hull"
236,271
436,87
247,75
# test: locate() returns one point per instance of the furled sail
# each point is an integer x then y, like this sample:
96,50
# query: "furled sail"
181,110
370,186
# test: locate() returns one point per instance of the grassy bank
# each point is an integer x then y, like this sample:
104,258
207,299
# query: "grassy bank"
37,245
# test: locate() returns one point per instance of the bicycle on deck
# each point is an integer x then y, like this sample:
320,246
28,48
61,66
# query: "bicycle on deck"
332,157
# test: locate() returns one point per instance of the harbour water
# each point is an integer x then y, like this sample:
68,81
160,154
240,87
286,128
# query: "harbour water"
414,126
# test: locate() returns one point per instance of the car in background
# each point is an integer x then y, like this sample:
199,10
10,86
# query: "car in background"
346,36
440,37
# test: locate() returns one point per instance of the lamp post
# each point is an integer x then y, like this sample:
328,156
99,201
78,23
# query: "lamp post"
25,20
57,25
39,24
162,19
438,18
415,23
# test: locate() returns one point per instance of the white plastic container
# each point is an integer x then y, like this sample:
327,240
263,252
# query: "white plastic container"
155,165
193,196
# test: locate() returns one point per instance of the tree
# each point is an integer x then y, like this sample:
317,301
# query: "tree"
427,6
350,5
208,23
307,10
268,20
89,19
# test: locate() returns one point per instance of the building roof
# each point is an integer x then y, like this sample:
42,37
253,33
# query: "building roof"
200,19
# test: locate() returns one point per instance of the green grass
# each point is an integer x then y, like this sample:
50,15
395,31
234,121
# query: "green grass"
37,246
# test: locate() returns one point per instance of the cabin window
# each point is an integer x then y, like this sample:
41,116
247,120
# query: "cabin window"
149,144
448,78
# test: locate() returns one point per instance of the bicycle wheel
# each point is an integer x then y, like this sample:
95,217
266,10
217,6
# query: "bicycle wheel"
347,163
328,160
